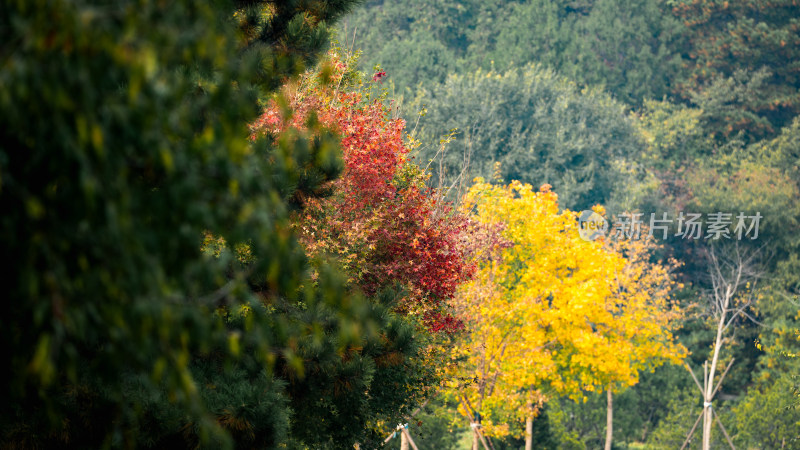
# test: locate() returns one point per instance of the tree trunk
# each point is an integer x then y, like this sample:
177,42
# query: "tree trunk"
529,428
403,441
609,419
707,413
707,421
475,445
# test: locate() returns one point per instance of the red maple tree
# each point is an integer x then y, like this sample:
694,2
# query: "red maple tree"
382,223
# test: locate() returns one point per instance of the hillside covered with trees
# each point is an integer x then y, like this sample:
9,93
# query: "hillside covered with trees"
652,107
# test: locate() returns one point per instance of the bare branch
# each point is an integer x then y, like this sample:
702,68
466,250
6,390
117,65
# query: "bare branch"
695,379
732,269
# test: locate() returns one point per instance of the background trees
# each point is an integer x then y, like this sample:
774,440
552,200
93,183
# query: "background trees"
748,42
528,124
710,89
633,49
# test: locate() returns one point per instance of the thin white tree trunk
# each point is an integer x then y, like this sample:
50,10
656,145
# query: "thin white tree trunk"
707,413
609,419
529,427
703,395
403,441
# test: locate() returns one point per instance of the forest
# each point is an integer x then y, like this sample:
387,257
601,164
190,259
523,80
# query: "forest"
419,224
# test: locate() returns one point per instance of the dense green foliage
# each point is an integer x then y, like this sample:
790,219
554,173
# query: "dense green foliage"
133,160
536,125
157,296
752,43
631,48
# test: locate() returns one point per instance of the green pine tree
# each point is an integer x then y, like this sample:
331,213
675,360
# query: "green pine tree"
156,297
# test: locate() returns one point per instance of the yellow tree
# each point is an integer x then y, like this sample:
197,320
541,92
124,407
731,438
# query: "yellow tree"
549,312
645,317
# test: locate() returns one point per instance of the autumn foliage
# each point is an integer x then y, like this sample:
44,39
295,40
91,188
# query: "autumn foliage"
549,313
541,311
382,224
